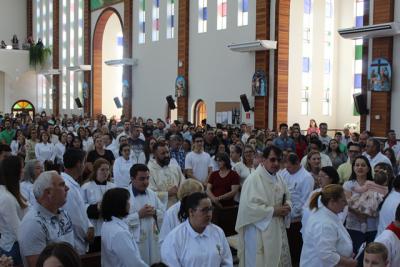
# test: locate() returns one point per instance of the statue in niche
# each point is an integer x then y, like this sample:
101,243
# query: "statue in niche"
15,42
3,44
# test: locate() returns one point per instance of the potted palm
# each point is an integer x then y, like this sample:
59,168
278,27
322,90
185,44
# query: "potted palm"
39,54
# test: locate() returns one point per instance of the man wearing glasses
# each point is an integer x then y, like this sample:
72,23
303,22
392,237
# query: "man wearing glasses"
344,170
261,222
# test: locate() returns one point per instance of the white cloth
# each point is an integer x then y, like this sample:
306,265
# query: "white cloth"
170,221
377,159
10,218
243,172
92,194
300,185
324,240
163,179
392,243
121,169
138,156
14,147
325,160
199,164
44,152
26,189
87,144
76,208
118,248
184,247
145,230
388,210
59,150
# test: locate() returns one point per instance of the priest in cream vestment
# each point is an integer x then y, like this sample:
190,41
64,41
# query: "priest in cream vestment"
263,215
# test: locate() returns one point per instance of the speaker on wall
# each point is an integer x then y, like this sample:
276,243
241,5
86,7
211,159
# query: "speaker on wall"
117,102
78,102
361,104
171,102
245,103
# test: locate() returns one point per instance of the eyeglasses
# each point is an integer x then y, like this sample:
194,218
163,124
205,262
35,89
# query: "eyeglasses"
206,209
273,160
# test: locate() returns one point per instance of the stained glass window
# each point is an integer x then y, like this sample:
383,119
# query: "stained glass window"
243,12
203,16
156,20
142,21
221,14
22,105
170,19
328,58
307,57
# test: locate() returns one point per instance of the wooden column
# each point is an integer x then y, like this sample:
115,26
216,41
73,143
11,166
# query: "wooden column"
281,82
183,56
382,47
56,56
87,56
128,70
262,62
29,19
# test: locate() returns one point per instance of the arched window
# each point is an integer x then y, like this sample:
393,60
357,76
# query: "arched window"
23,106
200,112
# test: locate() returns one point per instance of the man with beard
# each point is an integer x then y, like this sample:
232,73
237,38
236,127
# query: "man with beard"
165,178
7,134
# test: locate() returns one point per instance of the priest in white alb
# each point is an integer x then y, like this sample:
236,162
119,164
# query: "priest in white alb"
263,215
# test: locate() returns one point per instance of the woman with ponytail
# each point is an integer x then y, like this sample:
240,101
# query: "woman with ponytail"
325,240
196,241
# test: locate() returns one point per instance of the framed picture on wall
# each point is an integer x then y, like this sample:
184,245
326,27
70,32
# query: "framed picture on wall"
380,76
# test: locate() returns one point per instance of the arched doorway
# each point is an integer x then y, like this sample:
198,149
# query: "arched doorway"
200,112
23,107
107,45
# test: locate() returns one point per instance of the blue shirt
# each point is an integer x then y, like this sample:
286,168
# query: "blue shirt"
285,143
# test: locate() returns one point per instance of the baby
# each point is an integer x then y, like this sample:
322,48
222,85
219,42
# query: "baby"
370,196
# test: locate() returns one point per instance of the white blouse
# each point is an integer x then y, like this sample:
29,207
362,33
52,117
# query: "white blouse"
59,150
26,188
10,218
325,240
44,152
118,248
92,194
170,220
184,247
121,170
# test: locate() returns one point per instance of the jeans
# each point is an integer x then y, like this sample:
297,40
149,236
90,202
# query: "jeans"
13,253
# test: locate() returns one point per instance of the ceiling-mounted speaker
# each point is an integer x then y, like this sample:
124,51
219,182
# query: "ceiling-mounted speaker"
78,102
117,102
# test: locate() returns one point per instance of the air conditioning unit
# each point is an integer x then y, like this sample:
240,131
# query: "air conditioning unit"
122,62
371,31
258,45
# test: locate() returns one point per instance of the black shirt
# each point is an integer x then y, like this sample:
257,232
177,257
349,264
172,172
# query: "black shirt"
93,156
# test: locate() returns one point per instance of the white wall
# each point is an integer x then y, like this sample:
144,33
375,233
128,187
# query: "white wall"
112,76
343,71
217,74
154,76
13,20
2,90
395,122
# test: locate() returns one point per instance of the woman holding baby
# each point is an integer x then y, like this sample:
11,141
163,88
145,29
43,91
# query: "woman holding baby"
364,194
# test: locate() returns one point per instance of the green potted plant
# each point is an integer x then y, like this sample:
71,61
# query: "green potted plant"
39,54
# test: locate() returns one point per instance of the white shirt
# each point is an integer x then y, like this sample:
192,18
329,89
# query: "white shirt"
388,210
59,150
92,194
121,170
10,218
26,189
377,159
325,160
325,239
76,208
87,144
118,249
184,247
199,164
300,185
170,221
14,147
392,243
396,147
44,152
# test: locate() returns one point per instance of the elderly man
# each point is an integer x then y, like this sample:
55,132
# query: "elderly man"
374,154
45,222
165,177
392,142
264,204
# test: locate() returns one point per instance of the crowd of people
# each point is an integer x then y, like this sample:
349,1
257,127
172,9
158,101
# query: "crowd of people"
147,193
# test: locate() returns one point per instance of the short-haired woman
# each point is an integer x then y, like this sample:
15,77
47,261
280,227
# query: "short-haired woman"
92,193
196,242
325,240
118,247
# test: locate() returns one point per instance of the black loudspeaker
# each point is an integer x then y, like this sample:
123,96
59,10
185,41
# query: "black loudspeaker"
245,103
171,102
78,102
360,103
117,102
